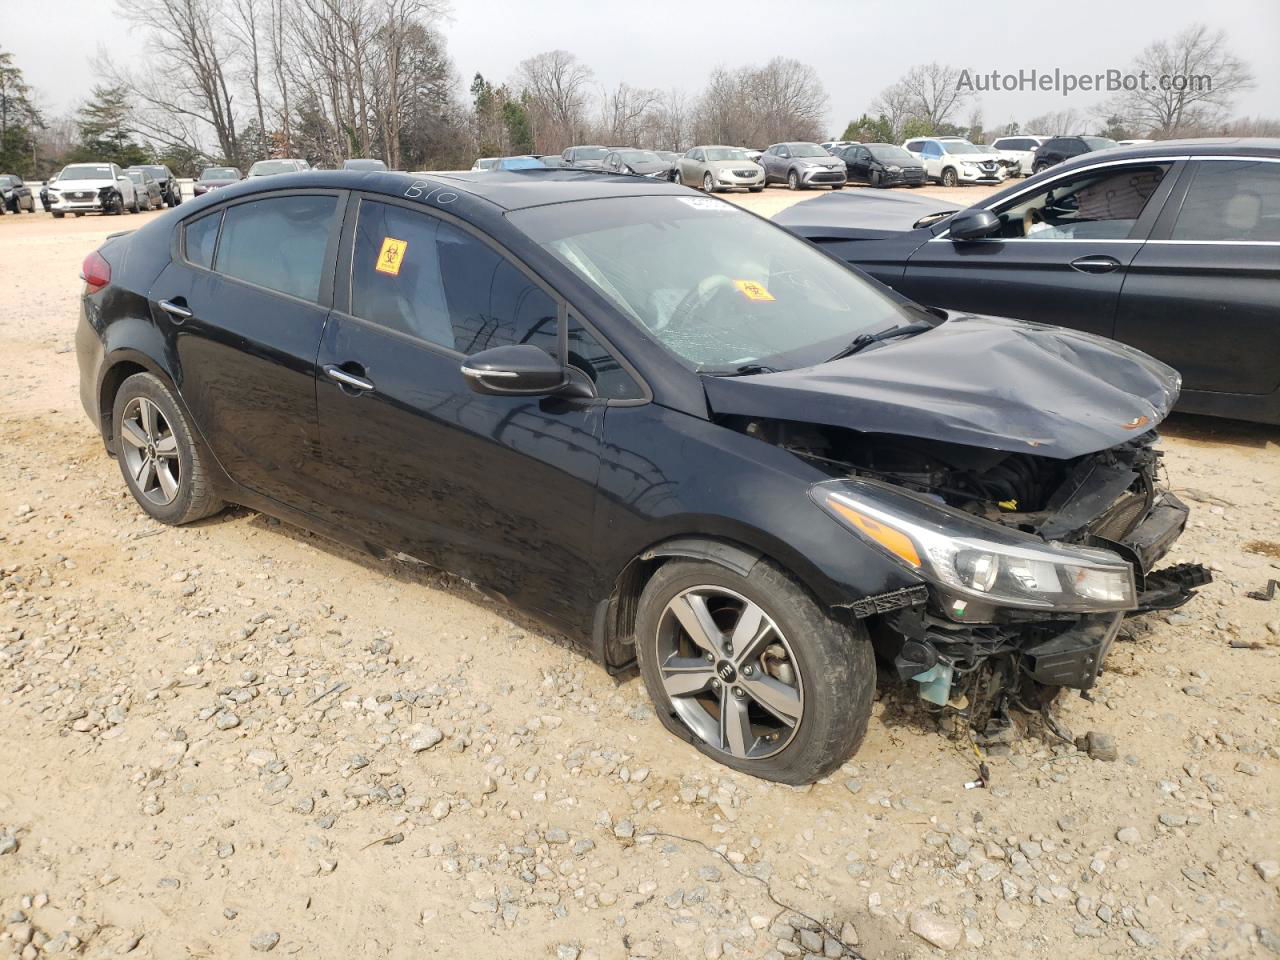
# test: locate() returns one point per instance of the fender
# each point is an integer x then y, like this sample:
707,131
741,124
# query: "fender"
738,559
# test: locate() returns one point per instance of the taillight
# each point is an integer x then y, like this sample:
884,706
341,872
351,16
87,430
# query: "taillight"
95,272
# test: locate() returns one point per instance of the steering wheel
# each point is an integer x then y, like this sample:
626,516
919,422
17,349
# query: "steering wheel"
707,289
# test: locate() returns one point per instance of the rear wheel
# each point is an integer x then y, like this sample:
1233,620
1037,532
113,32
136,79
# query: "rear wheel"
753,671
159,456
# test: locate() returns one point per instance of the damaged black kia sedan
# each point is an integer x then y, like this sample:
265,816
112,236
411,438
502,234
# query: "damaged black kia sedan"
661,424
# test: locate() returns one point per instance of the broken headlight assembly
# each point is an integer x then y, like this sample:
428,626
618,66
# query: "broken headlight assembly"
971,559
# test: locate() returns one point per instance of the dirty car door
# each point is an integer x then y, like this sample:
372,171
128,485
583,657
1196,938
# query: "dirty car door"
498,489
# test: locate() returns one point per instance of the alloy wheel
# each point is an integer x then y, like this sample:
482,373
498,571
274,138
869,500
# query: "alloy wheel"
729,672
708,185
150,451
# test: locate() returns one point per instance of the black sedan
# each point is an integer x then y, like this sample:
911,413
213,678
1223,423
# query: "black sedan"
1056,150
882,165
15,195
725,456
170,188
639,163
1172,247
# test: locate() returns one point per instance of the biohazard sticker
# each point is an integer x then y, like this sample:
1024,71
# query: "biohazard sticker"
753,291
392,255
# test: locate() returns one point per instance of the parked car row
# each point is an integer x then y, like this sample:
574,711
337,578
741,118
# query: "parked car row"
15,195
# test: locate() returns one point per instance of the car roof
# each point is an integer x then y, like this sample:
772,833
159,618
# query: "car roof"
506,189
1203,147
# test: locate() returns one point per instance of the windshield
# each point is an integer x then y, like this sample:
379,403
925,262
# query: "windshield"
726,153
365,164
135,175
8,181
892,154
552,161
639,156
219,173
1099,143
589,153
265,168
86,171
960,146
807,150
156,170
713,284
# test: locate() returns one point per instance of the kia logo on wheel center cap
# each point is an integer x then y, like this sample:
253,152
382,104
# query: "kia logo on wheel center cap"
726,671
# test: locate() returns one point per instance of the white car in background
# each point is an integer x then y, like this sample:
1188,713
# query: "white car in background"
954,160
1019,151
81,188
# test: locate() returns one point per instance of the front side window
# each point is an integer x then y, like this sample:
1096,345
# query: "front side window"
931,149
716,286
427,278
1231,200
1098,205
601,367
278,243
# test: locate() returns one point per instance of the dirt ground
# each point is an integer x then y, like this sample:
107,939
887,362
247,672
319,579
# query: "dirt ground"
238,738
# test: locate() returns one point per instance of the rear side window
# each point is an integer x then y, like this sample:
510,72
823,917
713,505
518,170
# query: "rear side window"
201,237
278,243
1231,200
601,367
419,275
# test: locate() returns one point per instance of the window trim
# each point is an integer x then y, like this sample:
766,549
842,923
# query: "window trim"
344,282
324,295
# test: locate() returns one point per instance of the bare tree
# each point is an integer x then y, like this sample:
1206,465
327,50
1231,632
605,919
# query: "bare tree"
555,85
782,100
185,87
933,94
1189,84
625,113
1057,123
671,121
895,104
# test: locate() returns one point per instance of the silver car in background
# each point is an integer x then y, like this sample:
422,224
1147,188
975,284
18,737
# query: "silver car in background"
719,168
267,168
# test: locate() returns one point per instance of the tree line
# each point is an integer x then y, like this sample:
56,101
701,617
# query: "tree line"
235,81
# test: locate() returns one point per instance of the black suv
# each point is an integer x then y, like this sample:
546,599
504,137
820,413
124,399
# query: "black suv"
726,457
1058,149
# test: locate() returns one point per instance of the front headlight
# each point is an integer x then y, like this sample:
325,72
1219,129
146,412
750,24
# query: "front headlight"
973,558
894,168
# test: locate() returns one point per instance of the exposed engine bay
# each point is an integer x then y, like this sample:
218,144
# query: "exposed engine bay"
980,659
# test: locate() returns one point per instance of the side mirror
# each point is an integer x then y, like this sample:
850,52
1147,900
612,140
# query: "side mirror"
973,224
515,370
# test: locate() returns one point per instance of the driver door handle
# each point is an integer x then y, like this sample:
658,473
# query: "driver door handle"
334,372
1095,264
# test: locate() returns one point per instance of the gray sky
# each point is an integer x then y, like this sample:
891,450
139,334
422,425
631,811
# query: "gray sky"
856,47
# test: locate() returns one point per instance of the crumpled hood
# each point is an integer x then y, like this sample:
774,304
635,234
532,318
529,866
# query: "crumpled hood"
975,380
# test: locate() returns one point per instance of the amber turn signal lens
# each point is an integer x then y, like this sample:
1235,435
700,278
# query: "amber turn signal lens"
895,542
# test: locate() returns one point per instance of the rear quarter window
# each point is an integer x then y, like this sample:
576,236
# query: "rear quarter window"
200,238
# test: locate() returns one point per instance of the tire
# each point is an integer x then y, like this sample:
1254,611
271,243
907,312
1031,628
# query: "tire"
949,177
57,214
837,186
708,184
793,181
756,189
1039,168
832,666
175,195
170,447
136,206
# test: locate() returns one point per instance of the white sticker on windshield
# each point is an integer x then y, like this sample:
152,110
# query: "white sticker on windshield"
703,203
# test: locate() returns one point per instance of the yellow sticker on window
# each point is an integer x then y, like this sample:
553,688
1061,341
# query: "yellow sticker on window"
752,290
391,255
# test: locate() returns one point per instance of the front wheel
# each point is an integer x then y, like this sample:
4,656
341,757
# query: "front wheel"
948,177
756,189
708,184
159,456
793,181
752,671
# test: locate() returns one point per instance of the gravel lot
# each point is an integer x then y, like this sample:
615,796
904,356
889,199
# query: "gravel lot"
238,738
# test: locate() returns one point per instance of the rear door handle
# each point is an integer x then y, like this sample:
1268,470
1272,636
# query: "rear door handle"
176,311
1095,264
335,372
